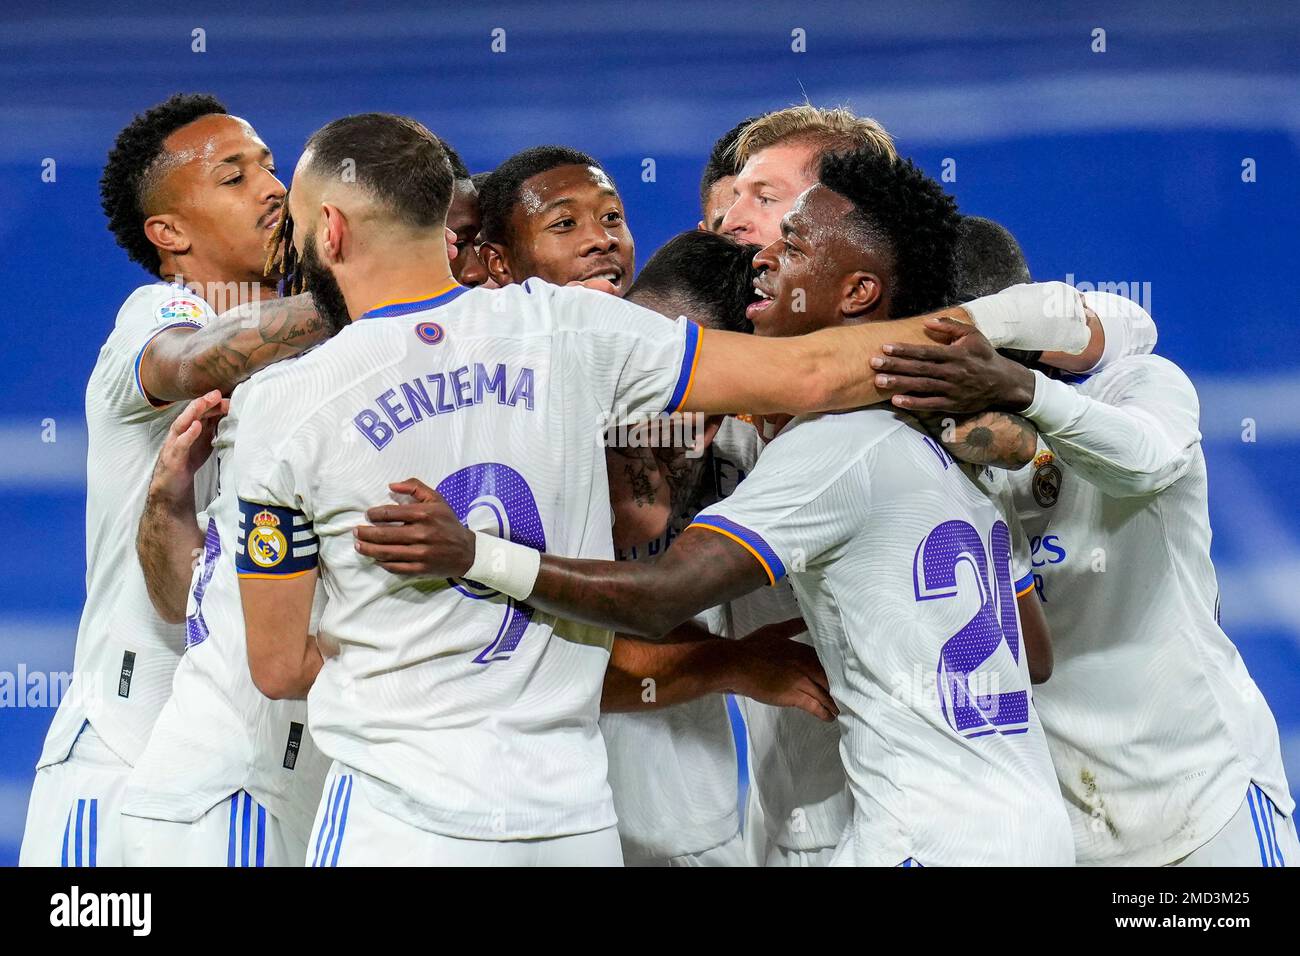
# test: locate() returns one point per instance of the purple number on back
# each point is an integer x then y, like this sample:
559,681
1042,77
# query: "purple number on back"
934,577
504,495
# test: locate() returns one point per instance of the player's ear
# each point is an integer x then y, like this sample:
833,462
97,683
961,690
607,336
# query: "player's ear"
495,261
333,233
167,232
862,294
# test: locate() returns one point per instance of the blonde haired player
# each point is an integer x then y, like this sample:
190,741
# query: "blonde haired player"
777,156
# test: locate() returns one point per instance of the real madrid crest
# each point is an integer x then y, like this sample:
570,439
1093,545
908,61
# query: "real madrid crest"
266,543
1046,483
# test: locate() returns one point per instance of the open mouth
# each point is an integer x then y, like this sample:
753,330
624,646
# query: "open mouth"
270,220
763,301
613,276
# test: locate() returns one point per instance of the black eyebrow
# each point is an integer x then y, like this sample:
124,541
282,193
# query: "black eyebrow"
555,203
236,157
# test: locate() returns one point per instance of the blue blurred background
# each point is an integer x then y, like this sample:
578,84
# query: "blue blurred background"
1117,166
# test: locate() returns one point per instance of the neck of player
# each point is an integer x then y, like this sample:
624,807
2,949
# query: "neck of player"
417,271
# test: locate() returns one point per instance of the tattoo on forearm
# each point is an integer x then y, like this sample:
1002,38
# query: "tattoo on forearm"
980,439
637,472
999,439
682,475
255,335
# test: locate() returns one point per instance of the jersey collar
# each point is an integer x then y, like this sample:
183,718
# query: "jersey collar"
407,306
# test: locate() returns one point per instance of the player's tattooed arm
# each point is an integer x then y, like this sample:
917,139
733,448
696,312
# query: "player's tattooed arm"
683,466
182,362
997,439
169,537
641,508
648,485
766,666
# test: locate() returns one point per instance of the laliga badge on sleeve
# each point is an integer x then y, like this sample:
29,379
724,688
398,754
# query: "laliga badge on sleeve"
180,309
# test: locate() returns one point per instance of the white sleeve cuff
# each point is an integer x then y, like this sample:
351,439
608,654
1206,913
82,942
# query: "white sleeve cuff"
1055,405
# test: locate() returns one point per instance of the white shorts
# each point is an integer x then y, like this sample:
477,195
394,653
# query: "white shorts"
728,853
754,828
238,831
73,816
1258,834
351,831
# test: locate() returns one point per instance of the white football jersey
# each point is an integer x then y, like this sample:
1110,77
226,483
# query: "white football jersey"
125,653
217,733
797,782
904,566
1156,728
475,716
673,774
673,769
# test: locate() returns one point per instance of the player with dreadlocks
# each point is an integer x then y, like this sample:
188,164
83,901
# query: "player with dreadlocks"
190,193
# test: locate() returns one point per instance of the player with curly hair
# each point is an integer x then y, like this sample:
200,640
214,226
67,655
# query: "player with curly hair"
553,212
190,193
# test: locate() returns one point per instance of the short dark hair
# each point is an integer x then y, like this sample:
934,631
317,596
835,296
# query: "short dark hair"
714,274
722,160
896,204
499,193
478,179
458,168
133,162
394,157
988,259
